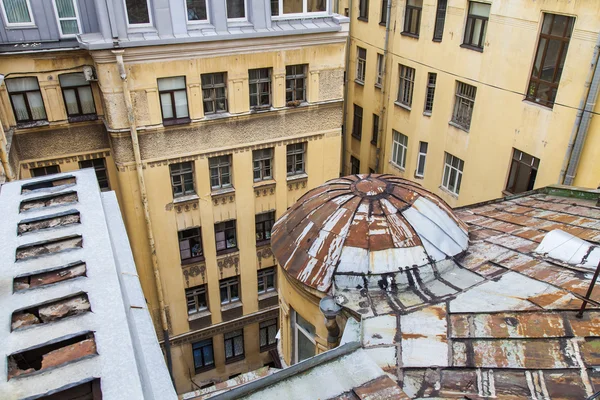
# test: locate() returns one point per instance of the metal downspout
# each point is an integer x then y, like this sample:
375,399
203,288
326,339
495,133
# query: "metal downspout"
582,121
384,100
144,196
346,73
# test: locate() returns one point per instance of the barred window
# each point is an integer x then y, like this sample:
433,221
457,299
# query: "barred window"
262,164
476,28
431,80
182,178
361,64
406,85
295,83
264,224
296,154
260,87
463,105
453,170
234,345
266,280
399,149
267,333
412,17
196,299
220,172
230,290
214,93
99,165
225,236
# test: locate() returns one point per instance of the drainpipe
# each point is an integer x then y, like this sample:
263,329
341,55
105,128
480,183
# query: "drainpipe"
582,121
344,115
140,174
384,99
4,147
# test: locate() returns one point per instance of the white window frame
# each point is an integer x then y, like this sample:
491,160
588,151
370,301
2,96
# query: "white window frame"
303,13
244,19
448,170
398,148
361,64
379,71
421,156
58,19
298,329
148,25
205,21
18,24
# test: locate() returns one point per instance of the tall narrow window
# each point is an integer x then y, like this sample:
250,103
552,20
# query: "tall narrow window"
138,12
267,334
399,149
420,172
363,10
17,13
214,93
354,165
99,165
260,88
203,355
262,161
68,17
234,345
190,245
26,99
440,20
375,133
196,299
384,6
196,11
264,224
225,236
406,85
296,158
236,9
266,280
412,17
182,178
230,290
295,83
379,77
431,79
77,93
220,172
304,338
357,122
361,65
550,58
173,100
43,171
463,105
523,171
453,170
476,28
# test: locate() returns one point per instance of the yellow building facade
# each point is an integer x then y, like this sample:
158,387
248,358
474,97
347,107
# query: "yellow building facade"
460,97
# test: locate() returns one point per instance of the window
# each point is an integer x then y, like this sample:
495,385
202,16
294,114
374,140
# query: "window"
440,19
264,223
384,6
463,106
379,77
406,85
26,99
77,94
296,158
203,355
412,17
17,13
230,290
399,148
196,299
304,338
420,172
375,133
295,83
453,170
234,345
182,178
263,164
190,245
267,333
99,165
363,10
286,7
476,25
138,12
173,100
361,64
550,58
43,171
220,172
236,9
523,170
214,93
260,87
431,78
354,165
266,280
196,11
68,17
225,236
357,122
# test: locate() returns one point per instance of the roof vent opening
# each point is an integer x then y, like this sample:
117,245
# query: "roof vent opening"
49,247
48,277
50,183
49,201
90,389
51,311
47,222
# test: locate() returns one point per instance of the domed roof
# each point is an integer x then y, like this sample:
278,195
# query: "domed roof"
365,225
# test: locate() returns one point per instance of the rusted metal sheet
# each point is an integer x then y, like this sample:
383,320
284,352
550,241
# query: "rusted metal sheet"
508,325
382,388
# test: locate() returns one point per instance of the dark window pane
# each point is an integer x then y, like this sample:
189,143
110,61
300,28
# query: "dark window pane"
137,11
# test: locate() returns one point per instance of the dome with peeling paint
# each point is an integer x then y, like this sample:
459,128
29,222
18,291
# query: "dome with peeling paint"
366,229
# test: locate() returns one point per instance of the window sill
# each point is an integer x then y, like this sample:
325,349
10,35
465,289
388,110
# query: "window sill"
457,126
192,260
235,359
217,115
535,103
410,35
297,177
183,199
419,176
448,192
268,348
296,103
506,193
408,108
378,85
238,23
231,306
32,124
268,295
21,26
427,113
373,143
143,28
198,25
227,251
262,243
204,369
82,118
393,164
259,109
382,23
219,192
198,315
363,19
474,48
436,40
356,137
178,121
260,184
359,82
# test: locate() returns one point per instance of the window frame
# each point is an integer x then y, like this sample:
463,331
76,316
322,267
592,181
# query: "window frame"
305,12
518,163
26,100
96,169
294,79
219,167
399,148
264,326
191,259
375,130
228,283
408,12
231,340
81,115
148,24
34,175
361,66
294,153
430,93
354,165
194,293
201,21
200,347
447,173
383,14
213,90
363,12
440,20
379,71
421,160
240,19
406,84
296,329
58,19
175,120
225,229
261,167
261,226
461,99
264,274
16,25
171,174
258,82
482,33
357,120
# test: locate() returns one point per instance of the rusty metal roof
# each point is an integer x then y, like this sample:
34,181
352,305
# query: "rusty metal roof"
372,225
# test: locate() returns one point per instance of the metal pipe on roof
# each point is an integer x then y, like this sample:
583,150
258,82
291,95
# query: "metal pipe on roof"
144,195
384,100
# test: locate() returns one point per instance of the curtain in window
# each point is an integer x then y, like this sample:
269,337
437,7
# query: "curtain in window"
67,17
21,84
181,104
17,11
18,101
171,83
71,102
87,100
36,105
167,106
